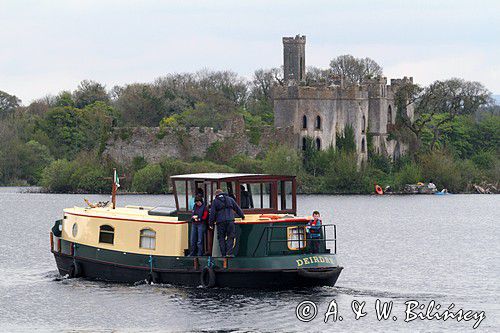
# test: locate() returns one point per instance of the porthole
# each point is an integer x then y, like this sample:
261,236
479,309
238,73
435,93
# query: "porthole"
74,230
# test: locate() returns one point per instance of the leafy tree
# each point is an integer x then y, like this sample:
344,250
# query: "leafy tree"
56,177
282,161
149,179
354,70
345,140
89,92
64,99
246,164
8,103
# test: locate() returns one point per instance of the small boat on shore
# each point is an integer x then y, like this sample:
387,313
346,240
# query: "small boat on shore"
136,243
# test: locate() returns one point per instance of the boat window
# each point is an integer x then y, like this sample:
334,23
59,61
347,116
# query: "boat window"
285,189
106,234
296,237
180,189
229,188
148,239
260,195
74,230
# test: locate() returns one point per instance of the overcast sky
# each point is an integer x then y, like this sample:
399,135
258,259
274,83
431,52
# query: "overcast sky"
49,46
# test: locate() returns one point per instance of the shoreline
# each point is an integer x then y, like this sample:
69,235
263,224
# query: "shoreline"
39,190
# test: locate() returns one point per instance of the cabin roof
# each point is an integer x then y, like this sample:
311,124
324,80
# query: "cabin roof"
220,176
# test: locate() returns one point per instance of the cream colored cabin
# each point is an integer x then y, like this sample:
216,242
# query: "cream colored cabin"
130,225
138,229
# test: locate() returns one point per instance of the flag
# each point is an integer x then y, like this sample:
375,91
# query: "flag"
117,180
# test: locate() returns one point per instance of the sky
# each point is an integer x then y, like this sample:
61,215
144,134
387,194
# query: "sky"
49,46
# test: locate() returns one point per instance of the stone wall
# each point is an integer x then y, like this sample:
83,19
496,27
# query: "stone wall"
154,144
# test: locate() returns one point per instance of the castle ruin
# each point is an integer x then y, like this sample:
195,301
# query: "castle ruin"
322,111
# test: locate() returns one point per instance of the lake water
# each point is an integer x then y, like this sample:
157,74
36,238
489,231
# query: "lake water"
393,248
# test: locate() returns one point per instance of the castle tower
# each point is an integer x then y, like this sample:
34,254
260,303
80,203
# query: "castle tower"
294,58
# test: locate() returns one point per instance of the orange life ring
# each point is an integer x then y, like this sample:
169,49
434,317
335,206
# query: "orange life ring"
269,216
378,189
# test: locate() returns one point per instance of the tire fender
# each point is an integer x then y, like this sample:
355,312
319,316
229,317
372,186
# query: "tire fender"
207,277
75,270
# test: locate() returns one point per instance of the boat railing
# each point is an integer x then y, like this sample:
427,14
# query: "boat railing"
268,231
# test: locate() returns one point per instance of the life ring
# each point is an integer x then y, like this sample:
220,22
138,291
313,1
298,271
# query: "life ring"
269,216
207,277
378,189
75,270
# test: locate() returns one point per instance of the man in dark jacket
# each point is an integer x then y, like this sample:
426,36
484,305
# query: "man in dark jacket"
222,212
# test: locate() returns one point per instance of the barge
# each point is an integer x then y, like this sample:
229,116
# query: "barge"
139,243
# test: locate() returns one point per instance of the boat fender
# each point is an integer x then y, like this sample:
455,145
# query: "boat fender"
317,275
75,270
208,277
153,278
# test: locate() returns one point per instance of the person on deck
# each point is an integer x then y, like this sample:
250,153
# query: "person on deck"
198,224
313,229
246,198
222,213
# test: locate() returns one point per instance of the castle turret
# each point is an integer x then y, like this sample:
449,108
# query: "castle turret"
294,58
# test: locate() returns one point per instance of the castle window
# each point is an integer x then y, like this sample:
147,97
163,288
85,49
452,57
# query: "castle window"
147,239
304,143
318,122
318,144
363,149
389,115
363,125
304,122
106,234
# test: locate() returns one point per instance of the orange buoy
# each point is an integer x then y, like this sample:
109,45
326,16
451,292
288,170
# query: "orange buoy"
378,189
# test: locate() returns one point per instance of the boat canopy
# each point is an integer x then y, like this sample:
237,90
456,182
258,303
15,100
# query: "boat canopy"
255,193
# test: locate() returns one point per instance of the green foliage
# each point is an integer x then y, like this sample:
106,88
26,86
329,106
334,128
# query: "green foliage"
89,92
149,179
440,168
84,174
345,140
246,164
343,175
220,151
282,161
484,160
71,130
8,104
56,177
138,163
409,173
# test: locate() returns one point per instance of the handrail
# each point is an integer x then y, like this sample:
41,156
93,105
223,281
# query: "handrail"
269,239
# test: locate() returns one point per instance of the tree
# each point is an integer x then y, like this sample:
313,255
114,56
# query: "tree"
282,161
8,103
89,92
315,75
437,106
354,70
148,179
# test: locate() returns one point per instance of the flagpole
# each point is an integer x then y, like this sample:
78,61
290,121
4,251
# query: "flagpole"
113,191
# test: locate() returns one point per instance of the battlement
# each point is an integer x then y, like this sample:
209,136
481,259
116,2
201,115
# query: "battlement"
399,82
298,39
319,92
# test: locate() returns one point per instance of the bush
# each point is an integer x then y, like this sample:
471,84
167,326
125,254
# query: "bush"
57,176
409,173
440,168
148,179
344,176
282,161
245,164
484,160
220,151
